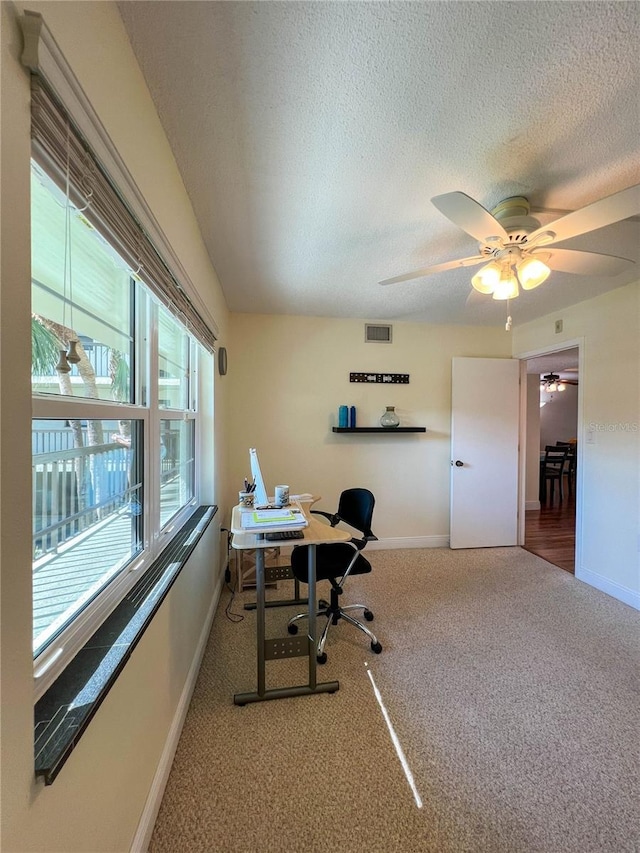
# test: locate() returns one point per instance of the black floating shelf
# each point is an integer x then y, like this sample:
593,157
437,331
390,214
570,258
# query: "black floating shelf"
379,429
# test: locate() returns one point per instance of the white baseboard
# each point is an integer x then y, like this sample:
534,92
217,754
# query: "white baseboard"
615,590
532,505
441,541
143,834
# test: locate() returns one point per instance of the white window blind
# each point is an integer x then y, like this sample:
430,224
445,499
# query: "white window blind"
59,147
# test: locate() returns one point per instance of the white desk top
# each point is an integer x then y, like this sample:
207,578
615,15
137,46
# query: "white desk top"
317,533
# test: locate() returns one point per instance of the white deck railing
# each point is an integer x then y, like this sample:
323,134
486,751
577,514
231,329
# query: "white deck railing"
73,489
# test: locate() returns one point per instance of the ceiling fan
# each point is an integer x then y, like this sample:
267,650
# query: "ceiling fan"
515,248
553,382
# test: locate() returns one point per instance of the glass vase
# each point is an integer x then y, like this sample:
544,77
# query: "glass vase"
390,420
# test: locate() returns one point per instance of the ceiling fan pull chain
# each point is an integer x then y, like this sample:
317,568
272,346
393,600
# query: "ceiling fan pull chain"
507,325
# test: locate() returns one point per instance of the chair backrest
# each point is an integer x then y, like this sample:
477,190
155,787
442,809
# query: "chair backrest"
571,455
555,458
356,509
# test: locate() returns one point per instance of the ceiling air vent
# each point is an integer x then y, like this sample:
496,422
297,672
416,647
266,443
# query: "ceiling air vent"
377,334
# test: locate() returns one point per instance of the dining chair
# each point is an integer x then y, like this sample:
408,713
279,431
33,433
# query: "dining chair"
555,460
570,469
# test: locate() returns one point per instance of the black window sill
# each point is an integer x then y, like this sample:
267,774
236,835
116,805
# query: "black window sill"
65,710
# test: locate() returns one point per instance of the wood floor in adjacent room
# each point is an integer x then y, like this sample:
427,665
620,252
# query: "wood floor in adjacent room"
550,532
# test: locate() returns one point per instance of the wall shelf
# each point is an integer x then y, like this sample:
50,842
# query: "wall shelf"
379,429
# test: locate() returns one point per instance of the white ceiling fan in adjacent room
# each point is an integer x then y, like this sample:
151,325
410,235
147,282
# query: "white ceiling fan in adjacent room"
517,251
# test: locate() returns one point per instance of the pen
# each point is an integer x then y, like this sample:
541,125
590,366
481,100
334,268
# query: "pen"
246,485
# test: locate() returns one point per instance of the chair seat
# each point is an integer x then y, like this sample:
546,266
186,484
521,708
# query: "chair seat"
327,558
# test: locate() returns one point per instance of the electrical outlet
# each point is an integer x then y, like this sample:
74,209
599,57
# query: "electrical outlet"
558,326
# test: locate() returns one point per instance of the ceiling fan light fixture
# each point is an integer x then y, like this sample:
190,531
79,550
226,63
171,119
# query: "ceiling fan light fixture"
551,382
486,279
507,286
532,272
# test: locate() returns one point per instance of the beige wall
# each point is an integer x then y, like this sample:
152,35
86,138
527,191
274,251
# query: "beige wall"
290,374
608,554
97,800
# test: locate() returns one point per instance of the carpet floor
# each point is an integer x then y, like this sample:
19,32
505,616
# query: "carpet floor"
511,687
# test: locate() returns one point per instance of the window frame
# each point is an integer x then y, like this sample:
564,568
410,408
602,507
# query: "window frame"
144,407
46,62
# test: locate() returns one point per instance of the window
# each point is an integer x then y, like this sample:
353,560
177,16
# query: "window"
81,290
87,515
115,428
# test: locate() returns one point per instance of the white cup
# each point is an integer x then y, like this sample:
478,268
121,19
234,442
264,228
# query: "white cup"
246,499
281,496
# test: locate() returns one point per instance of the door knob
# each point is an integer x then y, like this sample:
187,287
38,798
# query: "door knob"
459,464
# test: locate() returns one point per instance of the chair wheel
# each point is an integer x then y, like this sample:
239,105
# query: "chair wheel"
368,615
292,629
376,647
322,658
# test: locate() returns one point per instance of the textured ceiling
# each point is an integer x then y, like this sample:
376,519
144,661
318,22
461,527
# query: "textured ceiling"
565,363
311,137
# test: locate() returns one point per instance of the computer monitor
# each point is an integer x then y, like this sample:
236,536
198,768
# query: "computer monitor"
262,498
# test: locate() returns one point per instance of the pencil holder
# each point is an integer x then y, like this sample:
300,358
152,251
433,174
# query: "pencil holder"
246,499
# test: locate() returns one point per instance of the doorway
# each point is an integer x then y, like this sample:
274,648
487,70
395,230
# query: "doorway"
552,420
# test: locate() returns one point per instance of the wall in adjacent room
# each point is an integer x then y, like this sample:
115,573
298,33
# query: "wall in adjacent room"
559,416
532,465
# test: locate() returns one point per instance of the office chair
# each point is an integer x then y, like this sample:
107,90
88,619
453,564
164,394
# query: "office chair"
555,459
336,562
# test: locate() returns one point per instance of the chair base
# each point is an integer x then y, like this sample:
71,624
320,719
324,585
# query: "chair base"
334,613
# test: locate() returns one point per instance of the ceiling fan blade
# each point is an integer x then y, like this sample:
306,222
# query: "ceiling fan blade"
584,263
449,265
613,208
469,215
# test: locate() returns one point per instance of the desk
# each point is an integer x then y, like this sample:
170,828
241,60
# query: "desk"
305,503
317,533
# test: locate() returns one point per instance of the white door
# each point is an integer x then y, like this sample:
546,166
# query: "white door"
484,452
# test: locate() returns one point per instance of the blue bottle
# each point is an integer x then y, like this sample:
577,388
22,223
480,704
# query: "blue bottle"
343,416
352,417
